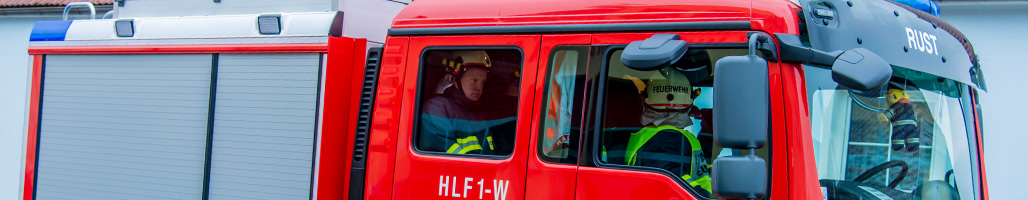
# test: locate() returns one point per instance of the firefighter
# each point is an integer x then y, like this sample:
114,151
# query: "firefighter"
668,107
455,122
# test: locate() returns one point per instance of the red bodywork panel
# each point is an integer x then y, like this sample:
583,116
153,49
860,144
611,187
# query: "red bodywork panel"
32,138
547,180
419,175
462,13
981,149
383,136
793,172
342,79
553,181
542,180
200,48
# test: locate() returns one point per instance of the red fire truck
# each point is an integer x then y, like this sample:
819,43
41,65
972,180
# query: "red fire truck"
568,99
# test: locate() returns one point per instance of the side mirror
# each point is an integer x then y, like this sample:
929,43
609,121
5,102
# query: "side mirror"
857,68
654,53
741,121
861,69
739,177
741,98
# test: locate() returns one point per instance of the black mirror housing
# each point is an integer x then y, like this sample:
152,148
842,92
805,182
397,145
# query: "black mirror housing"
856,68
741,102
739,177
861,69
654,53
741,121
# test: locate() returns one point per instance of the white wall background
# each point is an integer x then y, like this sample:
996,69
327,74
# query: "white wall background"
14,65
999,32
165,8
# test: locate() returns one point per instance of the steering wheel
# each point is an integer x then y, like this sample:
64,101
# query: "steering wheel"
881,167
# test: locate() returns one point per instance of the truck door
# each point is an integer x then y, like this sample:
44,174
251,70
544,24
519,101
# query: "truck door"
555,146
465,125
647,134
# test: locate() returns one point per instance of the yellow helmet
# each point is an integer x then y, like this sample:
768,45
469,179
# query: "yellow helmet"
460,61
895,95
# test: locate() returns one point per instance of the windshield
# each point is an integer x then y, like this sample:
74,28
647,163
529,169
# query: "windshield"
908,140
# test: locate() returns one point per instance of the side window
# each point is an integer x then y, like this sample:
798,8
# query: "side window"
662,120
565,88
468,101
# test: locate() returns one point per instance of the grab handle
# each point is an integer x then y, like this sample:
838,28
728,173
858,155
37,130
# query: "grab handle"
92,9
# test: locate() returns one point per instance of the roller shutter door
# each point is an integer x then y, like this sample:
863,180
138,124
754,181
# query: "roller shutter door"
123,126
264,127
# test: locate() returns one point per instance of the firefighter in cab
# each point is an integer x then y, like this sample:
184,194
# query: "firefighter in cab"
667,111
460,120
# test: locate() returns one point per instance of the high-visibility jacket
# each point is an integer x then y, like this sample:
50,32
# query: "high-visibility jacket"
699,173
469,144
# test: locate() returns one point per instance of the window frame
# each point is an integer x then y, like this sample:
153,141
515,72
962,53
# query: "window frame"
418,100
547,77
599,102
970,108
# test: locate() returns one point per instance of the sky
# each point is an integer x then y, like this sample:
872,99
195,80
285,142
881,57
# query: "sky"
998,34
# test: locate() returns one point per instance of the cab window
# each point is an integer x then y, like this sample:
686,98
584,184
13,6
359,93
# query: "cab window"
662,120
468,100
565,87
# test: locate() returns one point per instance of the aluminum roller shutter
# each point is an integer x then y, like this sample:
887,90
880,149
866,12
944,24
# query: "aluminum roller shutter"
123,126
264,127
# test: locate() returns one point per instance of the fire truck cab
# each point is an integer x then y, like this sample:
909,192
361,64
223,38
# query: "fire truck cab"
649,99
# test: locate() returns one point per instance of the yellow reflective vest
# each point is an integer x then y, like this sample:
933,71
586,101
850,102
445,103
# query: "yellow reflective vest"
698,175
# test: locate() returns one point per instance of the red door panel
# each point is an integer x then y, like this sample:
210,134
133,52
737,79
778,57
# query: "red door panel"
433,176
602,183
548,180
382,144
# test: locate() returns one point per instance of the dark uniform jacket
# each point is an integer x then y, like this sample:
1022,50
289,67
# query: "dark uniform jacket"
452,123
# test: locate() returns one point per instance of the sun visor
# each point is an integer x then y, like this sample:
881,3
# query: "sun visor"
896,34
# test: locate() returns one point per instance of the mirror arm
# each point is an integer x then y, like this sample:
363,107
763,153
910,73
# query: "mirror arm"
793,51
764,44
754,40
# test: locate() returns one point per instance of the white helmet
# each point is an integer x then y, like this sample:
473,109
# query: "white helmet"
670,90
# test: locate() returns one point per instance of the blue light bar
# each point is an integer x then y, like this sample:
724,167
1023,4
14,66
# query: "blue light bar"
927,6
50,30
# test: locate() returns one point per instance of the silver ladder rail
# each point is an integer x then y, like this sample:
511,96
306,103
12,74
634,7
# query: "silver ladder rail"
92,9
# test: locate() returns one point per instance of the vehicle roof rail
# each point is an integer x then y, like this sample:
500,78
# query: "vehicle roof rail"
92,9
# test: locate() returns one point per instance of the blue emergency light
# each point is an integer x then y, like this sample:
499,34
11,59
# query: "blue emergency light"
927,6
50,30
